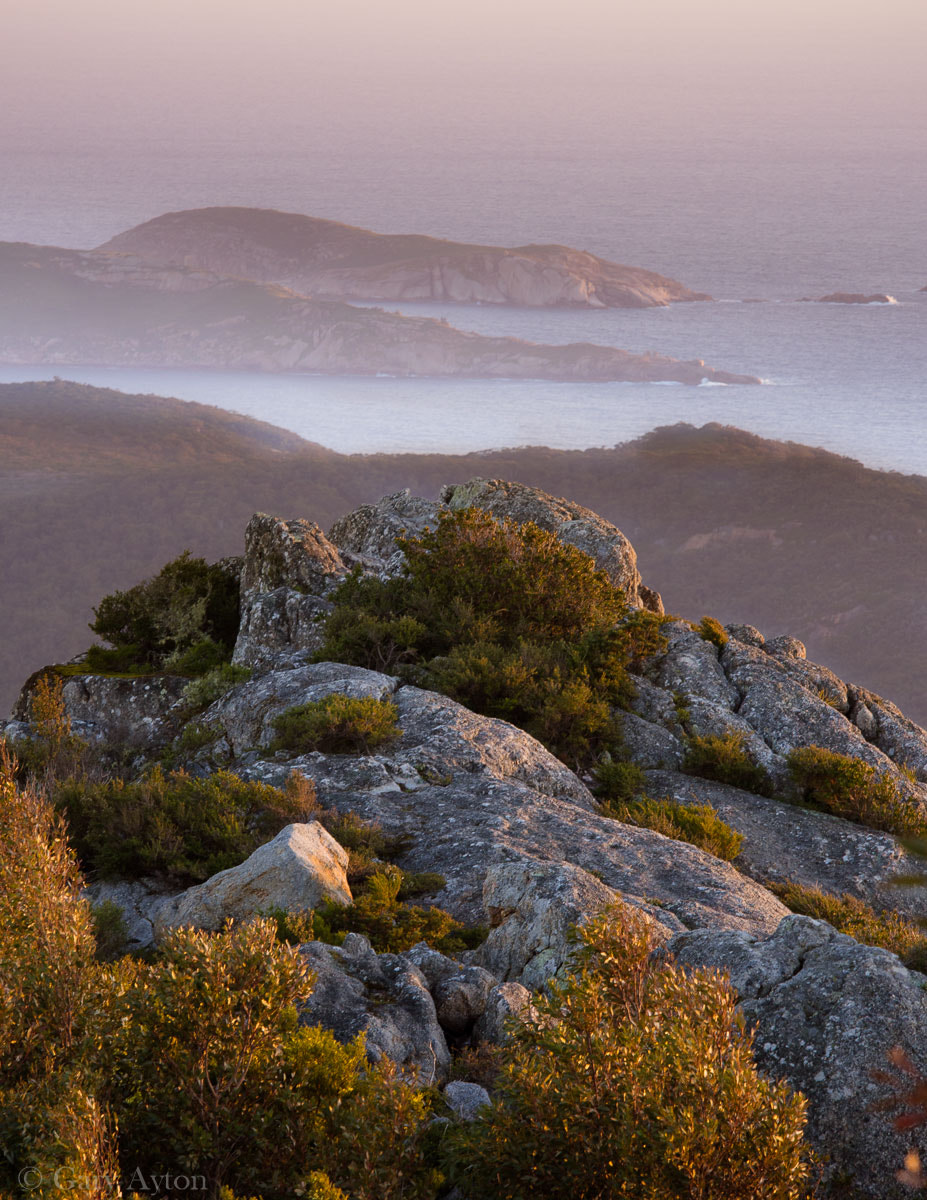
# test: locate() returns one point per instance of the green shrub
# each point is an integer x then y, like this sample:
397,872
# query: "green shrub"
636,1080
212,685
616,782
109,930
725,760
175,824
392,925
506,619
713,631
697,824
338,724
855,917
187,614
851,788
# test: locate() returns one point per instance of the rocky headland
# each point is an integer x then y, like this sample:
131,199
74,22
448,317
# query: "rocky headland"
329,260
69,307
516,839
851,298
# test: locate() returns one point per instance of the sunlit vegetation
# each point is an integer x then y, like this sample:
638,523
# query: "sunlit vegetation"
725,760
851,788
506,619
848,914
637,1076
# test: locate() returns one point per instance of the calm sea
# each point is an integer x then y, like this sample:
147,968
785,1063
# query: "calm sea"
741,214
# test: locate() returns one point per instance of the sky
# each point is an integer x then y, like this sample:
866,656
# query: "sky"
158,64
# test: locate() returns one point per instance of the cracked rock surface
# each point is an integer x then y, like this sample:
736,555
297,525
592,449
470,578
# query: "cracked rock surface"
827,1011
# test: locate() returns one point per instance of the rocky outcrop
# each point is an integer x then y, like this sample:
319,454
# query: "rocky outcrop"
330,260
288,568
382,996
828,1011
67,306
785,842
534,910
299,868
468,792
141,713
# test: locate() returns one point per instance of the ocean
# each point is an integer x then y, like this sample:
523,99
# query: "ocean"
768,213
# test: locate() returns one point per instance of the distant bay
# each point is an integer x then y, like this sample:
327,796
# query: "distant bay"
852,379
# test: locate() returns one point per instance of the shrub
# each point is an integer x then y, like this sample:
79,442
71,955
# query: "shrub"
337,724
211,686
725,760
617,782
53,752
851,788
175,824
506,619
188,612
713,631
49,1120
697,824
855,917
206,1063
109,930
392,925
635,1080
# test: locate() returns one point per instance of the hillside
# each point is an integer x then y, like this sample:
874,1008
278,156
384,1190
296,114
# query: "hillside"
98,490
431,766
70,306
330,260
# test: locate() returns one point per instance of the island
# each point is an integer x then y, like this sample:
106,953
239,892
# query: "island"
329,260
86,307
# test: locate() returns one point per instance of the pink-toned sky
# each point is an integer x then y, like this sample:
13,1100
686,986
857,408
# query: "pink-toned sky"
256,60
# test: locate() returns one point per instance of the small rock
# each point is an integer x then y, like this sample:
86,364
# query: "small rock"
465,1100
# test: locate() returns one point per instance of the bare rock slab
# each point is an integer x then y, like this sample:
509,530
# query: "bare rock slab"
300,867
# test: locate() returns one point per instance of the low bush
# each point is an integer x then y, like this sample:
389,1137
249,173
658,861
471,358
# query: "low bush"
617,782
713,631
338,724
635,1080
197,1058
855,917
725,760
697,824
212,686
174,824
54,751
186,615
506,619
851,788
391,924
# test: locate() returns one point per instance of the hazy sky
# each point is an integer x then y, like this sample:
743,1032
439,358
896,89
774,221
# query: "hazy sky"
128,60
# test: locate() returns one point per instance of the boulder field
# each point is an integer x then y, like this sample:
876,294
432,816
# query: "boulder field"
519,840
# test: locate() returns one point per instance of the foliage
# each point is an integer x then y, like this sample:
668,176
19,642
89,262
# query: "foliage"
851,788
391,924
635,1080
185,616
49,1121
173,823
855,917
508,620
725,760
616,782
712,631
697,824
109,930
210,687
337,724
54,751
